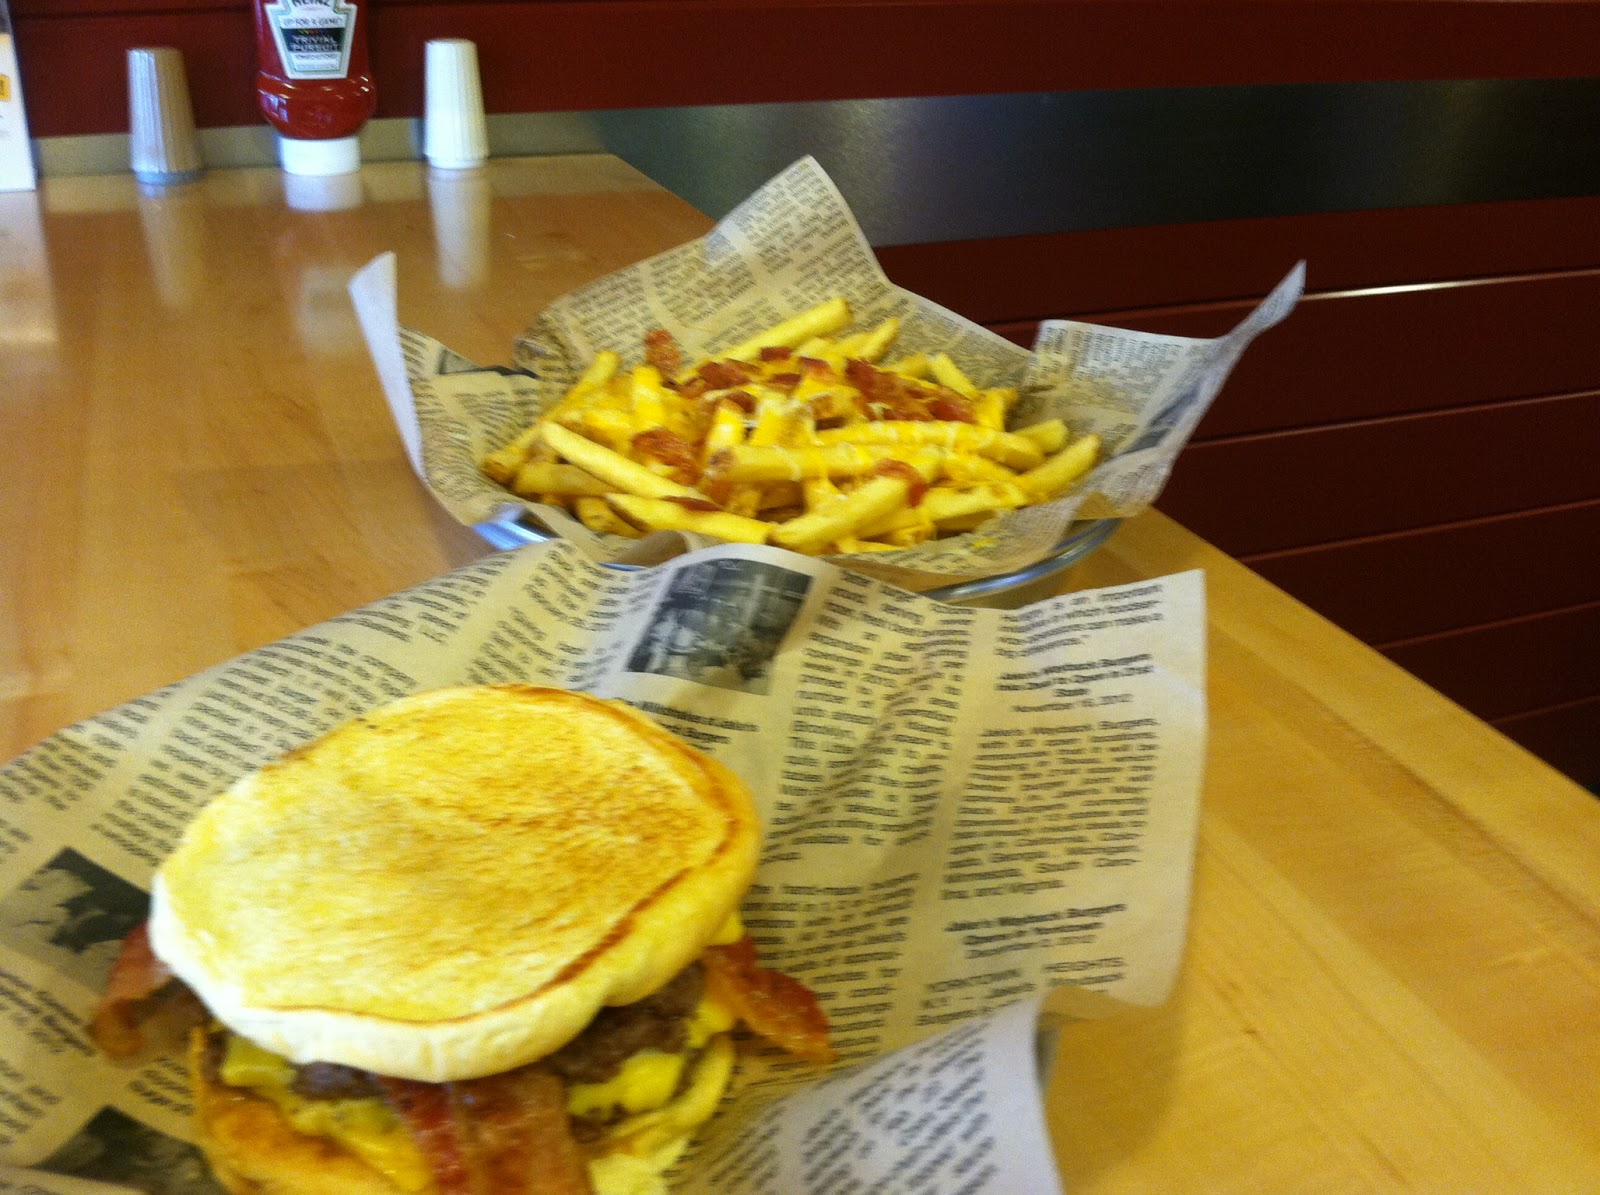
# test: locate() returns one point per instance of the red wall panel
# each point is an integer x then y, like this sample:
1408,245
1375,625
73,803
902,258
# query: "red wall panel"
1510,668
1373,353
1417,582
1103,274
563,55
1253,494
1566,736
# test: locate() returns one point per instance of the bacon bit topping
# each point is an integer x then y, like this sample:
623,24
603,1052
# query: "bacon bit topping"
662,351
670,449
951,407
776,1006
885,395
784,381
136,976
693,389
718,490
916,483
722,375
816,367
776,352
742,399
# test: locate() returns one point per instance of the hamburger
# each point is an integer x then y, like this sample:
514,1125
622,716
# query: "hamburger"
482,939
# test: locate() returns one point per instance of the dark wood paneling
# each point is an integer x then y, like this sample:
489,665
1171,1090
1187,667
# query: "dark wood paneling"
1103,273
1566,737
1440,578
1253,494
75,73
563,55
1356,355
1513,667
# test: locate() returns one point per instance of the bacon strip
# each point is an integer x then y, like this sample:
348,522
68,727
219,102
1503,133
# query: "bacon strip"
661,350
522,1136
776,1006
723,375
427,1110
670,449
136,976
505,1134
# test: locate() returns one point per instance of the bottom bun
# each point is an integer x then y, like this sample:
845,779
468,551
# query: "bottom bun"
254,1150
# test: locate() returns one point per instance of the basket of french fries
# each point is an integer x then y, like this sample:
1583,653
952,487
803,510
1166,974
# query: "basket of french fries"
768,384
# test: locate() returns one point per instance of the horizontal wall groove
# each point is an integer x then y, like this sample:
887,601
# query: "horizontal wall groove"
1520,620
1543,711
1234,302
1258,558
1411,418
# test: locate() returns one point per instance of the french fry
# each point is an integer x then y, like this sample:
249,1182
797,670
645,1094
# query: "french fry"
941,506
877,342
593,380
781,420
1051,435
662,514
649,399
502,464
538,478
780,494
991,405
966,468
914,367
845,515
1056,474
850,545
1009,449
612,428
773,462
916,533
598,517
744,500
726,430
627,476
989,410
814,491
947,373
822,320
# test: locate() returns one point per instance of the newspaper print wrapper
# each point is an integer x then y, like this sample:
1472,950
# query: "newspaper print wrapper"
792,245
963,811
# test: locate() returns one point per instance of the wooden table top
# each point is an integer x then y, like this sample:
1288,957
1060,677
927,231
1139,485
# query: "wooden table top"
1392,981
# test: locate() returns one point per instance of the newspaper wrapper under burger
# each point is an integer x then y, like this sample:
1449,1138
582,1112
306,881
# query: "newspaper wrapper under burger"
791,245
962,810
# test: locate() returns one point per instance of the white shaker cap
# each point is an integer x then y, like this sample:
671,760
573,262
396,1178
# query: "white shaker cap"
162,144
454,136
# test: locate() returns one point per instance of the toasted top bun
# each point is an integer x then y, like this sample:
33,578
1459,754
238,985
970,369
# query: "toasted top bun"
454,884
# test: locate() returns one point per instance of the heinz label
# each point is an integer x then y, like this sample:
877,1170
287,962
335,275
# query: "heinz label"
313,37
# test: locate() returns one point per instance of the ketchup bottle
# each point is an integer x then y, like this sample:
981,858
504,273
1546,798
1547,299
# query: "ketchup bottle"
314,84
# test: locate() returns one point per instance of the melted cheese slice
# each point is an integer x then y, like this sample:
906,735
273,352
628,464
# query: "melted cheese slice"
367,1127
642,1092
